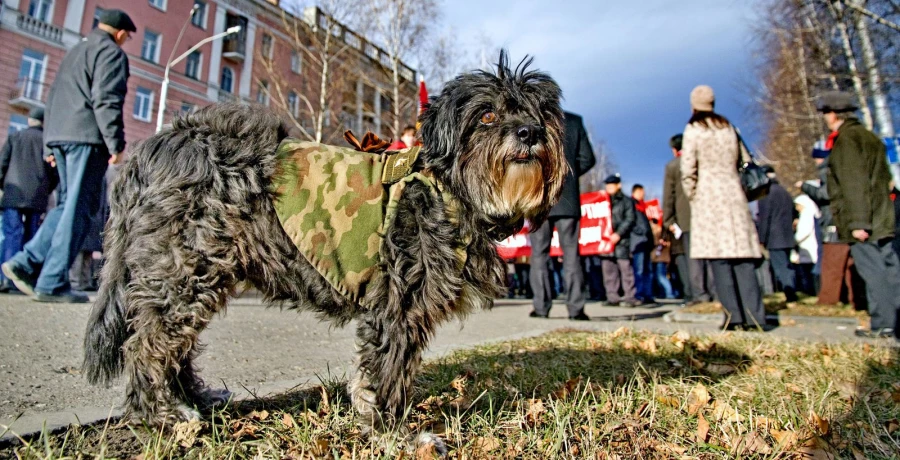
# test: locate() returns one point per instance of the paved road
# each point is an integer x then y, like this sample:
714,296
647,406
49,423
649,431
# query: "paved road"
257,349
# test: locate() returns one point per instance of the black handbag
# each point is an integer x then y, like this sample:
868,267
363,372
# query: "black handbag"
754,180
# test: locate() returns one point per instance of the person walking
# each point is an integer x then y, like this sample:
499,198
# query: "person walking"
807,241
722,230
565,216
84,130
642,245
776,232
697,286
617,271
859,184
27,181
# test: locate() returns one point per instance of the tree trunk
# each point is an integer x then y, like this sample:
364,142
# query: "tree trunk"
837,10
879,99
395,63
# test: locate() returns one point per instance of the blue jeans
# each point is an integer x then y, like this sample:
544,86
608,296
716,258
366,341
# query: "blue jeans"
19,226
661,269
643,279
59,239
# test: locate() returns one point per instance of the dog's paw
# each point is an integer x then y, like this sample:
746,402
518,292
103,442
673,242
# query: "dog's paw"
430,445
363,396
185,413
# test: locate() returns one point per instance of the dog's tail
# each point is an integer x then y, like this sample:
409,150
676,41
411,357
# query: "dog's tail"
232,136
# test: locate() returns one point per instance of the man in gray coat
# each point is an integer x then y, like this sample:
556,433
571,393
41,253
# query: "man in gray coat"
84,131
566,216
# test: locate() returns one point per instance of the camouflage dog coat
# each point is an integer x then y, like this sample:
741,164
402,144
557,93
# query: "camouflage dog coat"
336,203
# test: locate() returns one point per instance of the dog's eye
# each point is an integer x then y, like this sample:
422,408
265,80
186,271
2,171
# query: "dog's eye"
488,118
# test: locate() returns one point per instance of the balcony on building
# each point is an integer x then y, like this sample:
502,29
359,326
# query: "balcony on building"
226,96
34,26
234,46
28,94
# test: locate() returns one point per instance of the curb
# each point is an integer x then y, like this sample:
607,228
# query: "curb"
716,318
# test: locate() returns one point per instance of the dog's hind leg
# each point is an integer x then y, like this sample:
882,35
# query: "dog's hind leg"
168,311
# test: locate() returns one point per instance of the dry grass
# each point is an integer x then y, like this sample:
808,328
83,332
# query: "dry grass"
571,394
776,304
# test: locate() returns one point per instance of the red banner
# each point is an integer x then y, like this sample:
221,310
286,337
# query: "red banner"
653,210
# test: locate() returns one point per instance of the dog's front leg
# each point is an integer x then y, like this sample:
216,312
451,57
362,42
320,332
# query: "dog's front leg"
390,353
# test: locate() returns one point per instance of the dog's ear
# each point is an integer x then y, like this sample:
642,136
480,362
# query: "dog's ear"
440,128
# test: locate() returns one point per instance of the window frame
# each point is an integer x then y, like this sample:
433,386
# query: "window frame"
39,80
230,89
149,101
296,62
162,4
50,7
199,70
262,93
155,58
293,102
203,14
16,126
267,41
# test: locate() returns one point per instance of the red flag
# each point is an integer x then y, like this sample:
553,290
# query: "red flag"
423,95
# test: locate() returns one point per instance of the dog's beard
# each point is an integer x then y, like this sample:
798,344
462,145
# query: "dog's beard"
507,181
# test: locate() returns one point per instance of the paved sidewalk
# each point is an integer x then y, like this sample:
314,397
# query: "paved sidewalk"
258,350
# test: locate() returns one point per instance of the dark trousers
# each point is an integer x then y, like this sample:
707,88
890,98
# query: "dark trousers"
618,273
739,291
19,226
643,276
781,265
53,249
573,277
807,280
684,275
699,273
879,266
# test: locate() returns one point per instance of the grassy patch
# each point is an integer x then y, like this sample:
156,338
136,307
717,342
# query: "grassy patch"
776,304
571,394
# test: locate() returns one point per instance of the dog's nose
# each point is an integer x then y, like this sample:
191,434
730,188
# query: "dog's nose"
528,134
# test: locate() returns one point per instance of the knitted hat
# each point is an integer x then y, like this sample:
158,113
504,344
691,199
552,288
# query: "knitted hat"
117,19
819,150
703,98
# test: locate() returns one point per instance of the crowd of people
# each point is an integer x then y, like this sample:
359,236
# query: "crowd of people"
838,237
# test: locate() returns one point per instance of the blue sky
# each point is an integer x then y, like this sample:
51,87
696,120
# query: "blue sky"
626,66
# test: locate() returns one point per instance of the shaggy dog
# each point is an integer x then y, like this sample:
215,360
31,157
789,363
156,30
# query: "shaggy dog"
193,214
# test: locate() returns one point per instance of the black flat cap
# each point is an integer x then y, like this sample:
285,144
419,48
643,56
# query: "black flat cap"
117,19
613,179
36,113
836,101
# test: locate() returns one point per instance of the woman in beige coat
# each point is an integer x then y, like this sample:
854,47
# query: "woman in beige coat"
722,229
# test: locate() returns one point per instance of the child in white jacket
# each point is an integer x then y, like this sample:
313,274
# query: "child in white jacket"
807,253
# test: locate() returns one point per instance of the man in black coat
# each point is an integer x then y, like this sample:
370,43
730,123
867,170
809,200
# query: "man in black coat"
565,216
27,181
695,276
776,232
859,187
84,130
617,269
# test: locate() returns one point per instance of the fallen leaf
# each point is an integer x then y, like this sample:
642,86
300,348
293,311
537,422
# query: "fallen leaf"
810,453
186,432
459,384
262,415
697,399
324,405
720,369
668,447
857,455
241,429
322,446
696,363
793,388
867,348
460,403
640,410
702,429
534,412
287,420
705,347
786,440
486,444
895,396
568,388
620,332
826,351
628,345
769,353
670,401
679,338
426,451
748,444
649,345
819,423
605,408
892,426
723,412
430,403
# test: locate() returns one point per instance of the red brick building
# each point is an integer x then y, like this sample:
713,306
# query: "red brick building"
36,34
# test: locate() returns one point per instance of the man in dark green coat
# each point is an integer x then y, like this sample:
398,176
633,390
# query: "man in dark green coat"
859,185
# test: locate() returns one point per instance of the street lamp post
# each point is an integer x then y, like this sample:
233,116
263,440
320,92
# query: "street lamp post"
165,84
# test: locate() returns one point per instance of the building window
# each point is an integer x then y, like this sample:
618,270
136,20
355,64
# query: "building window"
150,47
187,107
267,46
198,18
227,79
17,123
293,102
296,62
262,93
161,4
97,13
143,101
31,74
41,10
192,68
